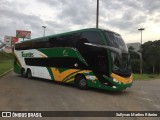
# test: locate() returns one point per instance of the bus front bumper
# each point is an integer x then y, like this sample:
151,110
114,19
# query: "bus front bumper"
118,83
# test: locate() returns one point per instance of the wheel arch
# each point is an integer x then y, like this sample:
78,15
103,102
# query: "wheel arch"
78,75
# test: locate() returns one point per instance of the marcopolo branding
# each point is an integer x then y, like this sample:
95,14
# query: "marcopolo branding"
29,54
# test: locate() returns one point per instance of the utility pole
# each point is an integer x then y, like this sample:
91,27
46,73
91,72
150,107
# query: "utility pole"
97,17
141,29
44,30
141,61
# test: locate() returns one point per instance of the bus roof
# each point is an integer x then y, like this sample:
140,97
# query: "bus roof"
66,33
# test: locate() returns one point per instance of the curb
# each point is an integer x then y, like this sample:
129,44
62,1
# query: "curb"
6,72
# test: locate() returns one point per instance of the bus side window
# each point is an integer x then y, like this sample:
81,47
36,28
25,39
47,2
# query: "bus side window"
18,46
52,41
93,37
46,43
80,44
71,40
58,42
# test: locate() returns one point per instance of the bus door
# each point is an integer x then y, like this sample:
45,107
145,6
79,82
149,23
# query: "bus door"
96,58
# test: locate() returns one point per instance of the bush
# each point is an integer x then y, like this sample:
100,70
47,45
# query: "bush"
5,56
135,63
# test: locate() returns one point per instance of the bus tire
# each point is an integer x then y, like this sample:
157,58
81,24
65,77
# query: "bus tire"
29,74
81,82
23,74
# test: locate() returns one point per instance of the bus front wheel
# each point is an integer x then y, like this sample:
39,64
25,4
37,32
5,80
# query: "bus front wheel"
81,82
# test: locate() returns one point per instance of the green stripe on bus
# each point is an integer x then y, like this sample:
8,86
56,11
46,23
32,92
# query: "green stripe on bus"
50,72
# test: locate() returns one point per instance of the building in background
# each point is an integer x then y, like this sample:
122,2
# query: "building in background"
9,42
136,46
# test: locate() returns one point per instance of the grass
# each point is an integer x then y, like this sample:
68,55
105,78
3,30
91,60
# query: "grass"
5,62
146,76
5,56
5,66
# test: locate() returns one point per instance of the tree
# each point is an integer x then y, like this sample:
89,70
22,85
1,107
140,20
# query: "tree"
151,54
135,60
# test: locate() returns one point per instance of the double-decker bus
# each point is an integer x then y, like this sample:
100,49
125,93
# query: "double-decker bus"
88,58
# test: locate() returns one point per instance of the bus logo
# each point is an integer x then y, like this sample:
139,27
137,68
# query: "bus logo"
65,53
27,54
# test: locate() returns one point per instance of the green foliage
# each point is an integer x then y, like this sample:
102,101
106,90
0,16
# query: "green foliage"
5,66
151,56
5,62
146,76
135,63
5,56
135,60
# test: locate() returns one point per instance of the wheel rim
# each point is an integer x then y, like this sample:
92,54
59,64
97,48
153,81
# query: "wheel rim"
83,82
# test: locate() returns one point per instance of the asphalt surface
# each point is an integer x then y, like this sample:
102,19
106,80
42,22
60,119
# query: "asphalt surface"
22,94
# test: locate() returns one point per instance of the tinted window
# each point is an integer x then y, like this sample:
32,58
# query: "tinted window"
65,40
24,45
115,40
93,37
69,40
40,44
60,62
57,42
17,46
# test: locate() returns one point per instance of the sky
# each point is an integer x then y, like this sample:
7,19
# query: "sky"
122,16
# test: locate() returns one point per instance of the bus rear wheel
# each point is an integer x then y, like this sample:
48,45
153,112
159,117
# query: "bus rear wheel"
81,82
23,74
29,74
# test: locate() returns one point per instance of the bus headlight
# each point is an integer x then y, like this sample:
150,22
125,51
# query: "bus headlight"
115,80
90,77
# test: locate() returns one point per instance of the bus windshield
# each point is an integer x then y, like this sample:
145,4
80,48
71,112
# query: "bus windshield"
115,40
121,65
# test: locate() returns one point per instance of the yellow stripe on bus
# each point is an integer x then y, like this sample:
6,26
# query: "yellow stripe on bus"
122,79
60,76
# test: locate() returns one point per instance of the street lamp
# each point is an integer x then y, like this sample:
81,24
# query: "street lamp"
44,30
141,29
97,17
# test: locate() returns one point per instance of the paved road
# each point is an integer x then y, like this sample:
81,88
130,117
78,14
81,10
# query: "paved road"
22,94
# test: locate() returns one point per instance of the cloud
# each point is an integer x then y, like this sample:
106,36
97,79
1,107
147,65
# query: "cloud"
151,6
74,12
13,19
124,16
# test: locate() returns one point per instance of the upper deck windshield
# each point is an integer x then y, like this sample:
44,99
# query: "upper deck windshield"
121,65
115,40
